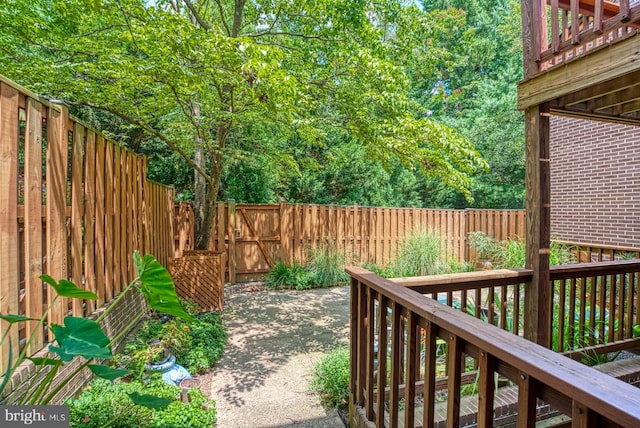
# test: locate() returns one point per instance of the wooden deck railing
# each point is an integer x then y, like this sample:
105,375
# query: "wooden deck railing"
565,29
494,296
397,340
588,252
595,304
497,297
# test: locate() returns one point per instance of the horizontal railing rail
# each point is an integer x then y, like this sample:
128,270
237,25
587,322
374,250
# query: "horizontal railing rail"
589,252
396,336
494,296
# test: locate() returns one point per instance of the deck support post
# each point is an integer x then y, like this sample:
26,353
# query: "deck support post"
538,293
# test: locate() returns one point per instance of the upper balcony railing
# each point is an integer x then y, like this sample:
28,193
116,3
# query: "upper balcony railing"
556,31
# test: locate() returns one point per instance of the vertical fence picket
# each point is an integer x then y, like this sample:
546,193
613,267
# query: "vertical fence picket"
8,216
117,215
99,225
33,221
77,213
124,209
56,230
89,215
130,236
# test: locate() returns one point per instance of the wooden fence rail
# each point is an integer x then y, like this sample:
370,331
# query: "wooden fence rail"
256,235
73,205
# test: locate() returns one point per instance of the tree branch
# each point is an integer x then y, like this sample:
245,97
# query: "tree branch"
150,130
237,17
289,34
196,15
222,18
183,106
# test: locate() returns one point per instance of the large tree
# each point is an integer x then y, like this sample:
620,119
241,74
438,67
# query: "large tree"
475,92
196,73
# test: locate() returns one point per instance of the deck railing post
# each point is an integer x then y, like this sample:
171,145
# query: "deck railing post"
537,321
530,47
353,354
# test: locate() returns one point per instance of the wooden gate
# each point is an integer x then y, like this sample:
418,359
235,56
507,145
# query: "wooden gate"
255,236
257,239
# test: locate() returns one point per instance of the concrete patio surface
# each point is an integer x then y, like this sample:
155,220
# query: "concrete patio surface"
275,338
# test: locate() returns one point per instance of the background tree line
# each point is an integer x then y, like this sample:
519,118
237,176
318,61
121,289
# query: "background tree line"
471,88
336,101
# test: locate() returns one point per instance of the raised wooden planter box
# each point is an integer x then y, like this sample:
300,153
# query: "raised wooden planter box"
199,275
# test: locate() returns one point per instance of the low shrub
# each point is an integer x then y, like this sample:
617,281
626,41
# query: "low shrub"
209,339
331,378
324,268
196,344
107,404
289,277
383,271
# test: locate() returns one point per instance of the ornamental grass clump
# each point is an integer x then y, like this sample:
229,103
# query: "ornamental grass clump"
326,264
420,255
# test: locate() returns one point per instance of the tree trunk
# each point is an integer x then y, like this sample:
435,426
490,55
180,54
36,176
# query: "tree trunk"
206,192
200,205
207,214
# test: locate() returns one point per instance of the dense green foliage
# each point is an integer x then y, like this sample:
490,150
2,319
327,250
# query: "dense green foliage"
474,91
196,344
269,90
331,378
107,404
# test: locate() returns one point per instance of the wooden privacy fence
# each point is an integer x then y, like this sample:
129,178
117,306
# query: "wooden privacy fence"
255,236
73,205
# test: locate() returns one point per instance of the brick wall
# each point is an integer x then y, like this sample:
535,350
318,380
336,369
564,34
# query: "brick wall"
116,324
595,182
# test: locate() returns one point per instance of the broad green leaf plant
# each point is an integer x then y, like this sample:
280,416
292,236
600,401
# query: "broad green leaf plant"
84,338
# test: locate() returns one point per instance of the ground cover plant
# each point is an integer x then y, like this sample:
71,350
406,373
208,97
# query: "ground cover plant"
196,344
107,404
331,378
